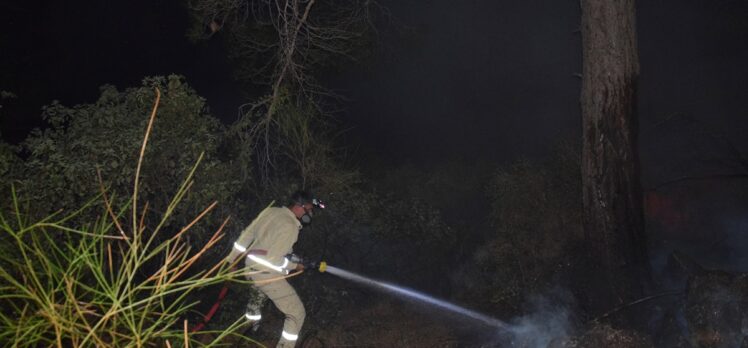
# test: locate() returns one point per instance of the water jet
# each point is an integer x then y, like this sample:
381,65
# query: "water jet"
415,295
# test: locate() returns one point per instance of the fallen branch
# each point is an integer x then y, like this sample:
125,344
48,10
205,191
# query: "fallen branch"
641,300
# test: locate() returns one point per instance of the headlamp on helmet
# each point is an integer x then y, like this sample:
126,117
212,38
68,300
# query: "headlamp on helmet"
318,203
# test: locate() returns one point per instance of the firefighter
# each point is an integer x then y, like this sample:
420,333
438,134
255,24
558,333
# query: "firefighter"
267,244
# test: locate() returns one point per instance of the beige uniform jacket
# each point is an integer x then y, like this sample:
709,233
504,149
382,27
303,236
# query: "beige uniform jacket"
268,239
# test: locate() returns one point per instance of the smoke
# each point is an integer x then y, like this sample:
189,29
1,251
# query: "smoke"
550,318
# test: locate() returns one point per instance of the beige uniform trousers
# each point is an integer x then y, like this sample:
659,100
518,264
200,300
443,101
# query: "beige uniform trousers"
286,300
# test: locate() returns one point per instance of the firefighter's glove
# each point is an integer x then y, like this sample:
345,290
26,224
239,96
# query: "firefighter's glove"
301,264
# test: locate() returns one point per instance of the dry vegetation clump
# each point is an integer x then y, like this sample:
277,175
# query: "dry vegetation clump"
604,336
716,309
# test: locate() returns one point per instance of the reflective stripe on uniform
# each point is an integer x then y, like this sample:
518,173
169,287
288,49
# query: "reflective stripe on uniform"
267,263
290,337
239,247
253,316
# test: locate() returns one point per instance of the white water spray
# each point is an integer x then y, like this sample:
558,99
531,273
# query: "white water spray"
419,296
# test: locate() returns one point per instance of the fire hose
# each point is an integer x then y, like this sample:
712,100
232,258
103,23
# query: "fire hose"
320,266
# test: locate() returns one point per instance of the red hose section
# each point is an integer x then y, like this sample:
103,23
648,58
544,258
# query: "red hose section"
224,291
215,306
198,327
212,311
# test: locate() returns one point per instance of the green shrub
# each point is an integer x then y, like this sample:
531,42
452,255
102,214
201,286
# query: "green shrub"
536,214
61,161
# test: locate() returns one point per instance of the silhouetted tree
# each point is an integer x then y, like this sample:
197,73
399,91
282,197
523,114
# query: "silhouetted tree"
282,45
611,188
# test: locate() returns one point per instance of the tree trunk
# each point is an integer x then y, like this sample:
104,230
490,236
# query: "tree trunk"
612,198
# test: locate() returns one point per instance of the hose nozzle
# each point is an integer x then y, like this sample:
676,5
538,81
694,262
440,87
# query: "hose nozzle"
320,266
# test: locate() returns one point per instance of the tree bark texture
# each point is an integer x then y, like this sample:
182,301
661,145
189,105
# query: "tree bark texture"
612,197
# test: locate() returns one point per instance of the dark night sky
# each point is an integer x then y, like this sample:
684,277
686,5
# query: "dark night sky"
465,79
66,50
482,78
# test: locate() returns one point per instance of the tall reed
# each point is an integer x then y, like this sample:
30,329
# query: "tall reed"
118,281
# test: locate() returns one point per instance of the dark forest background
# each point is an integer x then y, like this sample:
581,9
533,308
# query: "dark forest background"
449,142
